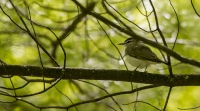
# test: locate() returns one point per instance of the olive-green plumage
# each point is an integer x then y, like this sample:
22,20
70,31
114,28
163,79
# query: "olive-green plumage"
138,54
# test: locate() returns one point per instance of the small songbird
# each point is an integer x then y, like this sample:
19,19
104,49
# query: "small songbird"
138,54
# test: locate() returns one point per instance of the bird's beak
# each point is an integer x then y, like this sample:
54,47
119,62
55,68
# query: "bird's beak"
121,44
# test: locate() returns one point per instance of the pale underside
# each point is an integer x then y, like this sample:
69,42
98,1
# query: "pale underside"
139,63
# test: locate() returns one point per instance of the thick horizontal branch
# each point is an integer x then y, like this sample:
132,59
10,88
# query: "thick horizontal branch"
102,74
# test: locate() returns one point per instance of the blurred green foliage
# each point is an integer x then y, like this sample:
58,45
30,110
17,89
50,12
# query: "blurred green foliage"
87,46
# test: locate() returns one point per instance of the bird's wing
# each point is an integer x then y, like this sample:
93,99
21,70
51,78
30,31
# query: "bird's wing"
143,52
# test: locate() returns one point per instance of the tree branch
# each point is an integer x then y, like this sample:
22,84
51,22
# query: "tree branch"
134,35
102,74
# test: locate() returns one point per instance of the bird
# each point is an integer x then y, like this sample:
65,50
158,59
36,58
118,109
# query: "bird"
138,54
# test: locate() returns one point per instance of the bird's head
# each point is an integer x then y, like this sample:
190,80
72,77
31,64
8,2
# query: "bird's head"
128,42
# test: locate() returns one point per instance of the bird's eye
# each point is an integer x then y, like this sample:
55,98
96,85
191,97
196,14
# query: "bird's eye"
129,41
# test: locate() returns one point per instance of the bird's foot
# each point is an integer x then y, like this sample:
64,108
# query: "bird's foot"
136,68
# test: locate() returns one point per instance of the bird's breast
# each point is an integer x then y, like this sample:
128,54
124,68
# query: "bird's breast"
137,62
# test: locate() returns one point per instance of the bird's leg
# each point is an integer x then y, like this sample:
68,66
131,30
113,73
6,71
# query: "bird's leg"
145,69
2,62
123,56
136,68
